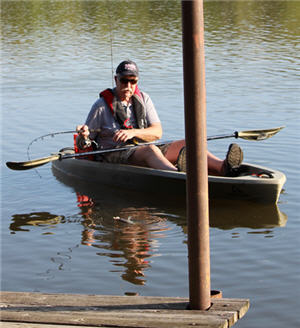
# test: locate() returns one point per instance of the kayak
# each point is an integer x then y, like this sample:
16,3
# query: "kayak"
255,183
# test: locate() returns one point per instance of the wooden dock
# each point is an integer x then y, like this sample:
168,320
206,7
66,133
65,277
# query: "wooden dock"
38,310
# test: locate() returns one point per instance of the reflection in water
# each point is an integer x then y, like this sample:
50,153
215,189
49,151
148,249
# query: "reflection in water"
126,225
128,239
231,214
131,234
127,231
40,219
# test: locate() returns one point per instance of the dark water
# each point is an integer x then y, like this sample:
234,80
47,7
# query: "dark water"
56,57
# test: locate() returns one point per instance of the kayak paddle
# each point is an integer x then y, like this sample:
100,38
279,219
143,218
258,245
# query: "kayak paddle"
254,135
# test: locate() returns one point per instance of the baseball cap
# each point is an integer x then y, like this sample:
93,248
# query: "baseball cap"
127,67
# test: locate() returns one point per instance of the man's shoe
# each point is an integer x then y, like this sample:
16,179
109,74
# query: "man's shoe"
233,160
181,160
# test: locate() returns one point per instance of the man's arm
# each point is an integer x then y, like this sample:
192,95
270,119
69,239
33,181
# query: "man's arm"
151,133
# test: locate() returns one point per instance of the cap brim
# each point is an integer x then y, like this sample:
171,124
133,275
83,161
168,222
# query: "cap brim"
129,73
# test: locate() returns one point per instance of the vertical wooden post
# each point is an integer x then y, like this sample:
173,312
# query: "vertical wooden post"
196,150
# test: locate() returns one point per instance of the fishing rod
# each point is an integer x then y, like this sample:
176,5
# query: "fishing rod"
53,135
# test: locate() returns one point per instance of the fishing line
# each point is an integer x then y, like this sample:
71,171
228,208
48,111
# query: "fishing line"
50,135
111,56
42,138
53,134
45,136
111,43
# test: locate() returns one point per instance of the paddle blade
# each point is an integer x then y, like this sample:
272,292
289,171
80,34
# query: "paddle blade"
258,135
20,166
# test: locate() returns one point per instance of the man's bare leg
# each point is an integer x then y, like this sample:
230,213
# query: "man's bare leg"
173,151
215,164
151,156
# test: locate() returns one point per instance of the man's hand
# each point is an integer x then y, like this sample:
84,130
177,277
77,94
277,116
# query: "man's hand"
124,135
83,131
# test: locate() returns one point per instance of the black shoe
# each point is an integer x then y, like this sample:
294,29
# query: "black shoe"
181,160
233,160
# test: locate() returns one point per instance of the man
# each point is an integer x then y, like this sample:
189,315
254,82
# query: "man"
126,113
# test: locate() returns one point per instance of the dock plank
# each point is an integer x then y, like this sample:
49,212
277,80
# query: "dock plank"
38,325
119,311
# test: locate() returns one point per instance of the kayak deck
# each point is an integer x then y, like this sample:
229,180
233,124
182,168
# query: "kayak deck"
255,183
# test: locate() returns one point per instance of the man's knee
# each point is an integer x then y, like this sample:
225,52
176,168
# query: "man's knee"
150,150
145,152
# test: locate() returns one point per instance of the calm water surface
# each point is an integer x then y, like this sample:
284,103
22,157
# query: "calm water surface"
56,57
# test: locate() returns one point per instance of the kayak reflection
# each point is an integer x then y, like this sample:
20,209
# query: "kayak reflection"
224,214
231,214
128,228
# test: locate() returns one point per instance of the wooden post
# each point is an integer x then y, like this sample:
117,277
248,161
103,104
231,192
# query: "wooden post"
196,150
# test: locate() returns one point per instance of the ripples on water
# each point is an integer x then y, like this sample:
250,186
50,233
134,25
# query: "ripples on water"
56,58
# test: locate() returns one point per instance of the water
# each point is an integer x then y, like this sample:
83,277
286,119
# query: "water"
56,57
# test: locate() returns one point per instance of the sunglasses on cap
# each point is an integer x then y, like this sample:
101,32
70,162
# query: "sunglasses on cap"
124,80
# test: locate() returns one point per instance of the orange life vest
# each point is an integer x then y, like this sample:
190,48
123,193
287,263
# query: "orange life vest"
118,112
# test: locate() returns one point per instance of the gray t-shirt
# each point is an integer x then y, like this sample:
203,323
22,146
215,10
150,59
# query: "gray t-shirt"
101,117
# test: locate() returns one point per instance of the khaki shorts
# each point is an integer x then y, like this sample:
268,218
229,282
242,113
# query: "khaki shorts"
122,156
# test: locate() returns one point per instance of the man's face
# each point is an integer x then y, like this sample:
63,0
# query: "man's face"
126,86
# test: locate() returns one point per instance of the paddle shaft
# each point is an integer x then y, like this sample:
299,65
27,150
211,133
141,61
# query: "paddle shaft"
111,150
255,135
44,160
224,136
103,151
